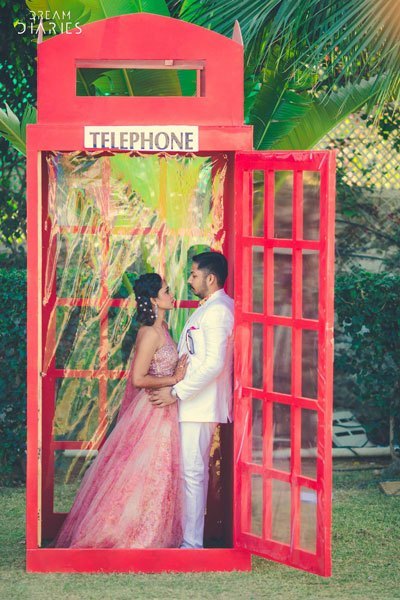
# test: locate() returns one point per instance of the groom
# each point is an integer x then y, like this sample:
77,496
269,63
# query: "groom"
205,394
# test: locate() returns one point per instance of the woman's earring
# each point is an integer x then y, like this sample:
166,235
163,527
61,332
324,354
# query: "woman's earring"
156,310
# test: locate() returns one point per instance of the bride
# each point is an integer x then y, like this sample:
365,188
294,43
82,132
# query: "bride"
131,496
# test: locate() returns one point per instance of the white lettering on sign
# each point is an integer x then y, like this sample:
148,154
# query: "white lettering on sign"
143,138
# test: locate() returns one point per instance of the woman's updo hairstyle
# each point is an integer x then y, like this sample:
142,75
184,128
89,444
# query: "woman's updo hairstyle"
146,287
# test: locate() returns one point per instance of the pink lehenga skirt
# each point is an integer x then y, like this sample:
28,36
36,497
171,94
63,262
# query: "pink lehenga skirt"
131,495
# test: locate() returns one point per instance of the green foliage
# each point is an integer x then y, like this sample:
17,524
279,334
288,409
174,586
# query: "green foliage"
324,114
367,227
18,88
14,130
367,354
12,207
345,41
279,104
12,374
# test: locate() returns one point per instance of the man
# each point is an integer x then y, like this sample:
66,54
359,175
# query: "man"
205,394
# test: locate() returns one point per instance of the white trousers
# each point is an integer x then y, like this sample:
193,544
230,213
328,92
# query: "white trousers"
196,439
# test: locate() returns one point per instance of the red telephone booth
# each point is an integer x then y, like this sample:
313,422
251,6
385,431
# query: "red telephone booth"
120,183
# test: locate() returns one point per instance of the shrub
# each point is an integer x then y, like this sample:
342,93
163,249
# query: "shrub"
12,374
367,348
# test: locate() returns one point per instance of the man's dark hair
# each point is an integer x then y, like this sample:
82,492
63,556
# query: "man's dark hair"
215,263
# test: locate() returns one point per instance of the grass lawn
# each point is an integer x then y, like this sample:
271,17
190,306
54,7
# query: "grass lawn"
366,561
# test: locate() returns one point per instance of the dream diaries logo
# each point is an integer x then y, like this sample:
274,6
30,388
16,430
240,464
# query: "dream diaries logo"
46,22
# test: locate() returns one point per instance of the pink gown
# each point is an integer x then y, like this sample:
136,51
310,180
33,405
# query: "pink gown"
131,496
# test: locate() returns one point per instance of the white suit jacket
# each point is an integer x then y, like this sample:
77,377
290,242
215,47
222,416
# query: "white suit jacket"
206,391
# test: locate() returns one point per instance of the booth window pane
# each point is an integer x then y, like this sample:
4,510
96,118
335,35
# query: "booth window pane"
258,355
311,205
309,427
309,385
76,409
310,284
69,469
281,502
258,203
281,437
282,359
122,331
77,200
258,278
130,255
283,204
78,265
256,504
257,431
283,282
136,82
77,337
115,393
308,519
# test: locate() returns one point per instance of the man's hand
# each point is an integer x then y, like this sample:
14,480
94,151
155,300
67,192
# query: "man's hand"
161,397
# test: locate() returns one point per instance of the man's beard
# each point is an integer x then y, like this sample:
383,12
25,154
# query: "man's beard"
200,294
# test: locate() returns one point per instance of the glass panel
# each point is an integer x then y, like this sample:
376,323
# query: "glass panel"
78,265
257,431
281,511
256,504
309,385
310,284
258,356
258,279
282,359
308,519
122,331
309,424
282,282
143,196
76,413
311,214
258,203
281,437
115,393
69,469
77,338
144,82
129,256
283,204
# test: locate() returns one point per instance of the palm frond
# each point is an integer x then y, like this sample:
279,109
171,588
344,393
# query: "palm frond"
276,111
323,115
356,35
14,130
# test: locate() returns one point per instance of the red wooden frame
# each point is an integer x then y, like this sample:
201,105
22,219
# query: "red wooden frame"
61,119
245,466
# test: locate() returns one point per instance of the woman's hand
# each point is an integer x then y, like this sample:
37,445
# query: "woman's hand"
180,369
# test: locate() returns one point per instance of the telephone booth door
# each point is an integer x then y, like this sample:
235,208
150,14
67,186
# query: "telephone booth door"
284,231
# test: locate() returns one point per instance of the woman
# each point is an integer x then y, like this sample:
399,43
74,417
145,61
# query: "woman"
130,497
